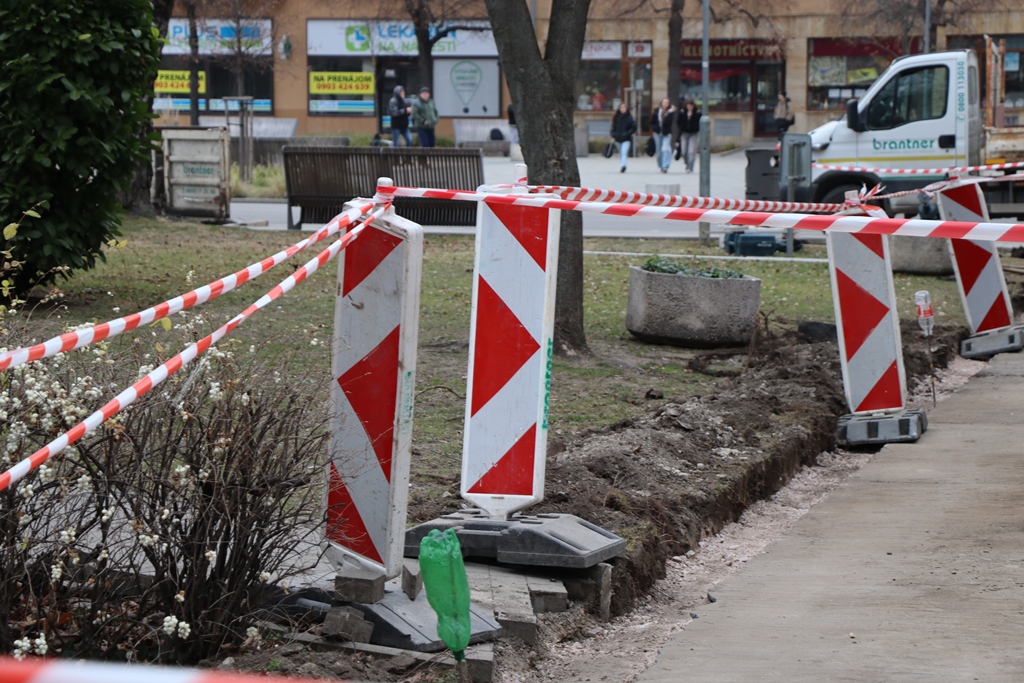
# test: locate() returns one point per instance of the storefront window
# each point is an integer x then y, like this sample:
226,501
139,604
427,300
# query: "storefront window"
599,85
341,85
613,72
840,69
744,76
217,80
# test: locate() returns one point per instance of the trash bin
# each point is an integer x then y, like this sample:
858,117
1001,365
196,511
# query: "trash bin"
762,176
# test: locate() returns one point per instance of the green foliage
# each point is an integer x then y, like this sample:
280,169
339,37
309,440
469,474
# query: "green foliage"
75,80
657,264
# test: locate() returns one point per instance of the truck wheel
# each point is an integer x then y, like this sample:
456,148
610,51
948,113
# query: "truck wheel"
837,195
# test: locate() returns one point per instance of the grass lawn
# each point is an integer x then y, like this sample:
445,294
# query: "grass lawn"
586,394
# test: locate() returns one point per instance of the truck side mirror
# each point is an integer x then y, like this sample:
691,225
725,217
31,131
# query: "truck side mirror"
853,119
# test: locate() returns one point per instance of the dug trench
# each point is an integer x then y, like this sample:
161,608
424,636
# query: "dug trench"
692,465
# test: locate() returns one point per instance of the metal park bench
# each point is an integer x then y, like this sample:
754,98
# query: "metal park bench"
320,180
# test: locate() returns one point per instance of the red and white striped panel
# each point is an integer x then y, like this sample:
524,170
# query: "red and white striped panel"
38,670
979,275
513,316
374,366
870,349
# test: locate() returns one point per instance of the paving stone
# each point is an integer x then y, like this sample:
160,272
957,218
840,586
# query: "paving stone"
346,623
359,585
547,594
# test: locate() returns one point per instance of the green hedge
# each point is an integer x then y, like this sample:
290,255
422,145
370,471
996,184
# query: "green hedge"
75,79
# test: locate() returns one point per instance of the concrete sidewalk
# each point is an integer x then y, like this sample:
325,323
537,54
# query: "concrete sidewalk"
913,570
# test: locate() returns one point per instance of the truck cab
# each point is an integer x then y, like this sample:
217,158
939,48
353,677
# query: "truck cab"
922,112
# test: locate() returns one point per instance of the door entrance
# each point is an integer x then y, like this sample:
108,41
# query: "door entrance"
770,80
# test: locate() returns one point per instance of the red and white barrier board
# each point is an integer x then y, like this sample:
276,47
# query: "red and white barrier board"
374,368
870,349
505,440
979,275
37,670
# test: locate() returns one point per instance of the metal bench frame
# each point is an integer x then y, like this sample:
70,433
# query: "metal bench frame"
319,180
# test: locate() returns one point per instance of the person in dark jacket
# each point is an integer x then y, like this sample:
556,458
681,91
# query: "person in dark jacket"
783,114
513,130
623,130
399,110
424,117
662,121
688,124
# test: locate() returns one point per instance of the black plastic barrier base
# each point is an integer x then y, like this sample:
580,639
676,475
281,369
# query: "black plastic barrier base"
905,426
545,540
986,344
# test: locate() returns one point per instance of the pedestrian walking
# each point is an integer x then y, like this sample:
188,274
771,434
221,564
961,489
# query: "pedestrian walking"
623,130
661,128
784,117
688,123
424,117
399,110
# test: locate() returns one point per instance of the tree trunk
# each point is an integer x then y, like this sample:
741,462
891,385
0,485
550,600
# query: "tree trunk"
675,48
543,93
425,61
193,65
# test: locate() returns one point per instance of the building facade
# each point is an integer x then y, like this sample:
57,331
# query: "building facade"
332,66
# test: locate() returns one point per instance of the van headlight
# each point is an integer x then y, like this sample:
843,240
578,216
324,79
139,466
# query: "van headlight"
818,146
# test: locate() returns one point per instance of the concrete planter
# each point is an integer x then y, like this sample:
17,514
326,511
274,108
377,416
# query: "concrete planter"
687,310
919,256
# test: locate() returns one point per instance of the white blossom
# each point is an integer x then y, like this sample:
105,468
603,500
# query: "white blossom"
170,624
180,597
252,632
56,571
106,514
245,399
265,576
84,483
67,536
210,555
184,630
21,647
40,644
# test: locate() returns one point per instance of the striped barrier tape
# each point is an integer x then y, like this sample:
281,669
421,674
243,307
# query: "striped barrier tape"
171,366
999,232
63,671
588,194
921,171
70,341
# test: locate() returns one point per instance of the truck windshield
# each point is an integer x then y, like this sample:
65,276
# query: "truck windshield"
913,95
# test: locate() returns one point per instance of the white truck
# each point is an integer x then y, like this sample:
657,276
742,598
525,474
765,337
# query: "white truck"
923,112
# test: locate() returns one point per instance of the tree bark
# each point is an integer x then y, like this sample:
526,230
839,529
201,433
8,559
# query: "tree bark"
193,64
543,93
425,59
675,48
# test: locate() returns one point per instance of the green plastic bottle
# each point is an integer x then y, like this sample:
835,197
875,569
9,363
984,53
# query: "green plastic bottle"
444,579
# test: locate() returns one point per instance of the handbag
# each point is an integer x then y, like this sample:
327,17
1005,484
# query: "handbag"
649,148
609,150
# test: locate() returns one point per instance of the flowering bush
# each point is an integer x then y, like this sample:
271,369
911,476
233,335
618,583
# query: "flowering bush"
155,538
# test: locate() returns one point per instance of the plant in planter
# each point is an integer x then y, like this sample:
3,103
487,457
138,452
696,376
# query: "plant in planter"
673,303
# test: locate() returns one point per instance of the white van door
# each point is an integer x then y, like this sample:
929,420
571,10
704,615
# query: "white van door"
973,132
911,121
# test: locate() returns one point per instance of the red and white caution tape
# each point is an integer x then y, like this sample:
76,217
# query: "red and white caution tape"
63,671
70,341
921,171
132,393
998,232
587,194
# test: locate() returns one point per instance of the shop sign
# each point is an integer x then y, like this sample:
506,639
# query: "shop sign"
341,83
341,106
467,87
861,75
603,49
221,37
335,37
720,50
639,50
178,81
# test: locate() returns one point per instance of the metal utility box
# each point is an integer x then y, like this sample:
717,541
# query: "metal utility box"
197,172
762,174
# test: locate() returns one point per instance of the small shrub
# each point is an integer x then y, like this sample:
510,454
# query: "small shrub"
76,77
657,264
159,536
267,182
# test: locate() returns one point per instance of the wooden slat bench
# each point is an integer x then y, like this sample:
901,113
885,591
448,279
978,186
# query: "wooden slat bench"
320,180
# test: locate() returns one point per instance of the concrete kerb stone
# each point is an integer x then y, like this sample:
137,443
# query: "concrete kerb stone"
359,586
547,595
692,311
594,588
412,579
346,623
